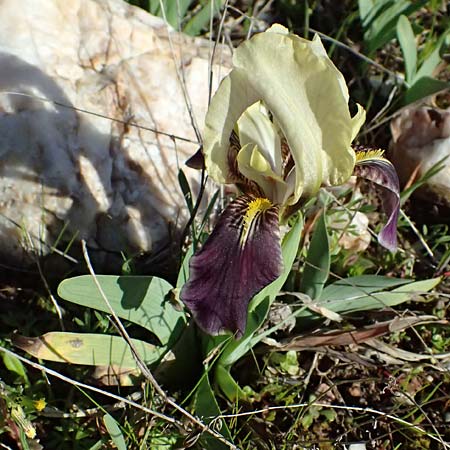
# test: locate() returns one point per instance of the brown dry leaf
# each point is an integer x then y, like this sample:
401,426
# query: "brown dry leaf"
344,337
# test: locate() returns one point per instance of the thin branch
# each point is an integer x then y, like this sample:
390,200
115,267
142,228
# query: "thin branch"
102,116
359,55
44,280
417,233
91,388
56,413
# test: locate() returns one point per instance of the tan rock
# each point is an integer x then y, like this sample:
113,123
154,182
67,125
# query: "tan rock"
113,184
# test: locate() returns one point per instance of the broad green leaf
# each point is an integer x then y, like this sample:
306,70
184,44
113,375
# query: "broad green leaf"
182,364
115,432
138,299
407,42
206,407
374,300
88,349
431,62
227,383
317,265
14,364
234,350
424,87
355,287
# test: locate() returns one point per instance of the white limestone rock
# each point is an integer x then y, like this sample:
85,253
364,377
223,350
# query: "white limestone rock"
113,184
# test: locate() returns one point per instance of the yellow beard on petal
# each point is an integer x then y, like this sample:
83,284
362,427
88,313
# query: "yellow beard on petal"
254,209
365,155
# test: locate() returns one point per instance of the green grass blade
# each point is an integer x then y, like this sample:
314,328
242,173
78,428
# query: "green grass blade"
206,406
433,170
355,287
424,87
407,42
202,19
365,6
174,10
186,189
369,10
115,432
381,27
138,299
347,304
183,274
228,384
317,265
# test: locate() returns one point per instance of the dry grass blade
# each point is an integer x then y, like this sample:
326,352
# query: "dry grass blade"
102,116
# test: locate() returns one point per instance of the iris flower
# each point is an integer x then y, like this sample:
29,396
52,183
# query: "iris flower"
279,128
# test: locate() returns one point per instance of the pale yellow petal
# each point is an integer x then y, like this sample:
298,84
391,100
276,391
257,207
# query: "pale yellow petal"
308,98
231,99
254,166
255,127
358,120
307,94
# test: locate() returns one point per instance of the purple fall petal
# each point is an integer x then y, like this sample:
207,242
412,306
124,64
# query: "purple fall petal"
197,160
241,256
381,172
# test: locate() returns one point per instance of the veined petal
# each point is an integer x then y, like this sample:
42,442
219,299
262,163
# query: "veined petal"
308,98
241,256
372,166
